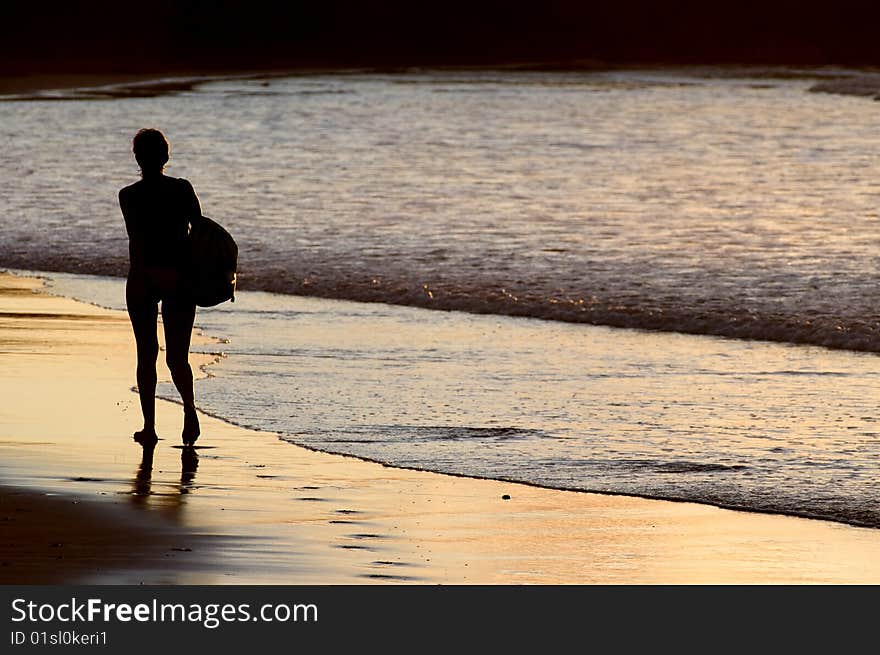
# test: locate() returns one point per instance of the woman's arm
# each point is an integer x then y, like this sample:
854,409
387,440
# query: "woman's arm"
133,227
193,207
125,206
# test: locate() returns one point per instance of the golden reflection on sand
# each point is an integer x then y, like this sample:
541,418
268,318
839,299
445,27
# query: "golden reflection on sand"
275,513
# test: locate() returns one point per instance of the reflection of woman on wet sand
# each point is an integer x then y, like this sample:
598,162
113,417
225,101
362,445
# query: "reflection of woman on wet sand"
142,485
158,211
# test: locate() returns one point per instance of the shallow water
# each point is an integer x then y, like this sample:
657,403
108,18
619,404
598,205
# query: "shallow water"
757,426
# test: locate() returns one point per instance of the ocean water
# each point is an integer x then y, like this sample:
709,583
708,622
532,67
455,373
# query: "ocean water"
702,202
738,423
698,203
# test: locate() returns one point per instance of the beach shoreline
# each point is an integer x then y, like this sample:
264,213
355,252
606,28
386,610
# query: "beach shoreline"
26,83
59,86
250,508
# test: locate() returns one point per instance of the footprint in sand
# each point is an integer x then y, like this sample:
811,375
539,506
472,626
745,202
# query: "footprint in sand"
389,563
390,578
354,547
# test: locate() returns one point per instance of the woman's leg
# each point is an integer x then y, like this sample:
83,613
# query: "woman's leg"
178,317
142,311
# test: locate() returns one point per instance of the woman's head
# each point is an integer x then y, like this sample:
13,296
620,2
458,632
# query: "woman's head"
151,150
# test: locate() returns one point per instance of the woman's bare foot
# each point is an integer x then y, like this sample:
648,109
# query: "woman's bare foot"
146,437
191,429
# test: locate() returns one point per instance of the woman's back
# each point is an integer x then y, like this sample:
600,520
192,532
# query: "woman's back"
157,211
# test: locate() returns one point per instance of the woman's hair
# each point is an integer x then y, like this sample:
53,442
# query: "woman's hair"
151,150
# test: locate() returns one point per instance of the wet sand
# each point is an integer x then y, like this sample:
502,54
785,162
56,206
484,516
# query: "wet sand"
51,538
249,508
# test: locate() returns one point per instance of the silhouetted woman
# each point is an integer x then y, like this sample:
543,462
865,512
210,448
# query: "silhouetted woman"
158,211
